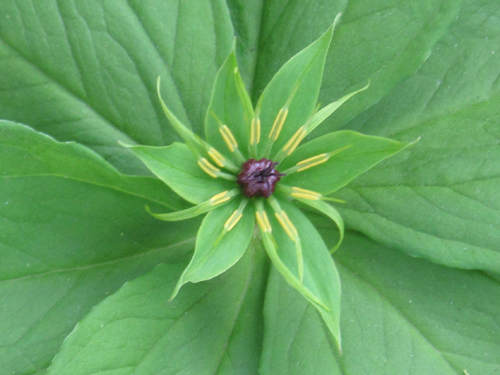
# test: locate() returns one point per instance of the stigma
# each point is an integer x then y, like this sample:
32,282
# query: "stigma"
258,178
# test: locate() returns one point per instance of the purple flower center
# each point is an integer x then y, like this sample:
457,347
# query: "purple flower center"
258,178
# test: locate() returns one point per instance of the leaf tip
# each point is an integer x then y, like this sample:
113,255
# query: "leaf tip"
123,144
336,20
158,87
178,286
148,210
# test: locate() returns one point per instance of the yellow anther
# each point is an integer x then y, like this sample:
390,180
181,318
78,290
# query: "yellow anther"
278,124
220,198
228,137
208,168
312,162
292,144
233,220
216,157
287,225
255,131
305,194
263,221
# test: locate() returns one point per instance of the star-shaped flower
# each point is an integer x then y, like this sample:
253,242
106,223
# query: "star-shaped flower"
252,169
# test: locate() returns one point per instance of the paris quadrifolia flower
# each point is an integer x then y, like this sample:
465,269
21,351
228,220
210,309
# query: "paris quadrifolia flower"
252,171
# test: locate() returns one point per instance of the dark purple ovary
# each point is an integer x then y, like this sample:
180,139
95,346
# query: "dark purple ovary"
258,178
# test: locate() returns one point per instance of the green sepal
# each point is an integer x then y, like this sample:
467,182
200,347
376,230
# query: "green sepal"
177,167
329,211
321,283
358,153
229,105
216,249
297,82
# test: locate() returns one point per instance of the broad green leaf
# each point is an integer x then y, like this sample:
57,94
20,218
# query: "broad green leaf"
440,200
285,29
88,73
295,89
229,107
381,41
320,284
352,154
72,231
218,249
210,328
422,319
177,167
246,17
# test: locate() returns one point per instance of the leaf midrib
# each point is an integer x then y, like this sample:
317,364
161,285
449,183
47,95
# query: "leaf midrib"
102,185
106,263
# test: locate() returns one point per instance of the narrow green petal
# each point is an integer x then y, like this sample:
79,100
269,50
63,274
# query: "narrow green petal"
320,284
189,213
325,112
329,211
290,277
190,138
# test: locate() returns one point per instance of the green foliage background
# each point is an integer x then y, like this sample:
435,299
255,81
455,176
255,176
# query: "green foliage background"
80,255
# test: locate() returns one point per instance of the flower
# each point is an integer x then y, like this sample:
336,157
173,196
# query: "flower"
252,169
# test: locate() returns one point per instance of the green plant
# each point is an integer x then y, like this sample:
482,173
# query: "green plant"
80,254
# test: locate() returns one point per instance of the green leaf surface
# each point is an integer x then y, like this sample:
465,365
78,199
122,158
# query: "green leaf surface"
72,231
440,200
357,153
216,249
210,328
88,73
422,319
246,17
287,27
177,167
320,284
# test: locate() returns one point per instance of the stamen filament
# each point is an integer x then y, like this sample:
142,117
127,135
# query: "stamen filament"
305,194
220,198
312,162
292,144
233,220
278,124
228,137
287,225
235,216
216,157
255,131
263,221
208,167
291,231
